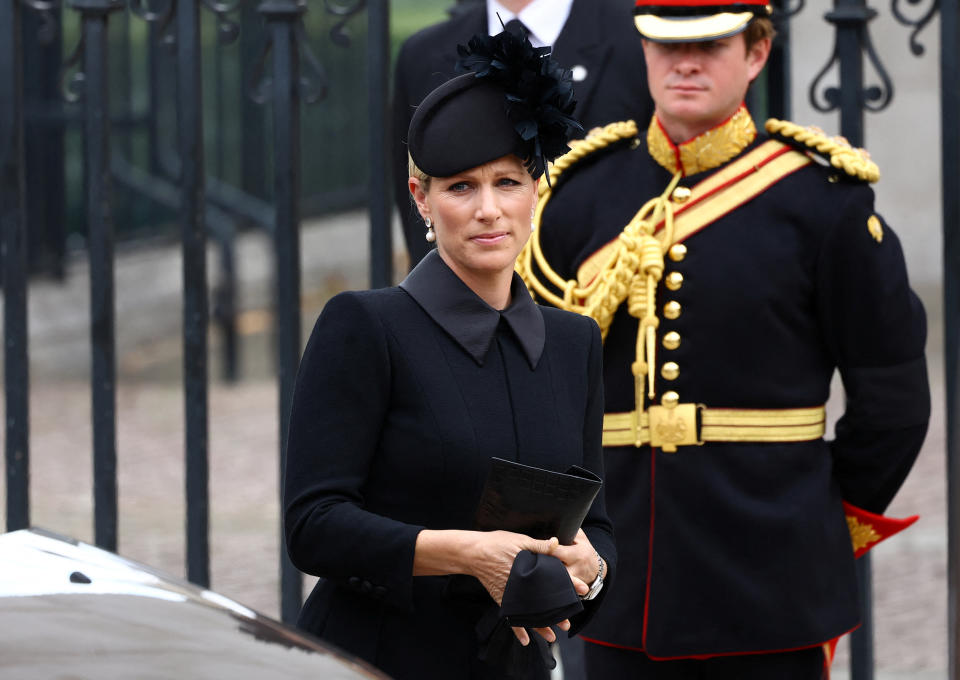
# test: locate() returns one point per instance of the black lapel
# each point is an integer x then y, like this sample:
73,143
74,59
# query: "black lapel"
581,46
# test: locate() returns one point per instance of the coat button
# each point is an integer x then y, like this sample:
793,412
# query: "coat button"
379,592
670,399
681,194
677,252
672,309
366,587
354,582
671,340
670,370
674,280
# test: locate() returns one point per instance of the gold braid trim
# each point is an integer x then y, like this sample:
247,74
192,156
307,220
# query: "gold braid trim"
596,139
841,154
631,272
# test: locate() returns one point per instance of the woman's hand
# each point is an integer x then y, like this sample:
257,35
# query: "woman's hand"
493,554
496,552
546,633
580,560
488,556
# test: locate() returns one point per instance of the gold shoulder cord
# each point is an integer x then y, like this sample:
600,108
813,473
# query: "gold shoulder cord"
841,154
631,271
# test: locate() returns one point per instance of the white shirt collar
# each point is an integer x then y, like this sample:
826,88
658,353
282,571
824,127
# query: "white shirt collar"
543,18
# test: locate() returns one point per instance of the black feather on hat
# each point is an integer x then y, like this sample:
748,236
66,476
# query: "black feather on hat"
513,98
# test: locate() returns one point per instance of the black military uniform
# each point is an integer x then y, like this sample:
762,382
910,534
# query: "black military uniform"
774,271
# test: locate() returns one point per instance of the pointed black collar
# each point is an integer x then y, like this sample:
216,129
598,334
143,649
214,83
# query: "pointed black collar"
466,317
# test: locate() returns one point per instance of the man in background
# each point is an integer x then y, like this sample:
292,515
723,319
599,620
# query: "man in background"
595,39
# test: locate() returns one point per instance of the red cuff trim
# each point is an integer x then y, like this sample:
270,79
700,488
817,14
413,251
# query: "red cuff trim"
867,528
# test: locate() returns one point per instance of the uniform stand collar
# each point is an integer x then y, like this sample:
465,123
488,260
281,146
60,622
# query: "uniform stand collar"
706,151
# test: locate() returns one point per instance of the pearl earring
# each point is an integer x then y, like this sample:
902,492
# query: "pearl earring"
431,235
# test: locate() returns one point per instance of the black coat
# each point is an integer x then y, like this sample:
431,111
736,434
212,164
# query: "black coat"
743,547
599,35
402,397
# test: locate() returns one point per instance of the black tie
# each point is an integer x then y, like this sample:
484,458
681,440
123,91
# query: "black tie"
516,27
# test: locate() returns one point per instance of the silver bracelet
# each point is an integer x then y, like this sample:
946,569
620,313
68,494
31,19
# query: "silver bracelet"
597,583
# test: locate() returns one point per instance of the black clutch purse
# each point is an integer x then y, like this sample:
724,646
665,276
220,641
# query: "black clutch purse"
536,502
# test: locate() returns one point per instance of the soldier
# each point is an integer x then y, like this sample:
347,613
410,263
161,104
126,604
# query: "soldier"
731,272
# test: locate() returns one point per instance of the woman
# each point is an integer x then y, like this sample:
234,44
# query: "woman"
404,394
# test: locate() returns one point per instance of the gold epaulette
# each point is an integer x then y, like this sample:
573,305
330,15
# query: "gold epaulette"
836,150
597,138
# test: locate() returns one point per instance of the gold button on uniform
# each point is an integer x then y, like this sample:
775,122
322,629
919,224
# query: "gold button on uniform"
674,280
671,340
670,399
681,194
670,370
677,252
672,309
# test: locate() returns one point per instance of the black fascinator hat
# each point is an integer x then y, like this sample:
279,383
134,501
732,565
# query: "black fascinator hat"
512,99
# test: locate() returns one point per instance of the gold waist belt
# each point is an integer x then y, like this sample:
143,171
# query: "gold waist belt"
668,428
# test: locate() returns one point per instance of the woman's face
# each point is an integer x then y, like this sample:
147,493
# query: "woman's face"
481,216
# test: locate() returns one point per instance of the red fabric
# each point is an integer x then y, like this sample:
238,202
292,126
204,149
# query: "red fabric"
653,486
885,527
832,644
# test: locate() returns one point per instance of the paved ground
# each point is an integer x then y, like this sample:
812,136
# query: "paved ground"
910,571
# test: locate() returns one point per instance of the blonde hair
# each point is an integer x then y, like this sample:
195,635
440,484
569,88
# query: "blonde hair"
415,171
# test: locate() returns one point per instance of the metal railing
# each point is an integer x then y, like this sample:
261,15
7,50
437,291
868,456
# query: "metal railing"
179,181
950,114
208,206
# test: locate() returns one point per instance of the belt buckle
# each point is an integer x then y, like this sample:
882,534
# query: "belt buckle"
673,427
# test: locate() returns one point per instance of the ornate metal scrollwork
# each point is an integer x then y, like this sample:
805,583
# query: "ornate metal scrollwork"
312,89
345,11
71,85
227,28
162,17
258,86
874,97
313,82
47,10
918,24
784,9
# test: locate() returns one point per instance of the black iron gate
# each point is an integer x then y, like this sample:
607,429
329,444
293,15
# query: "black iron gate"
207,204
92,88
